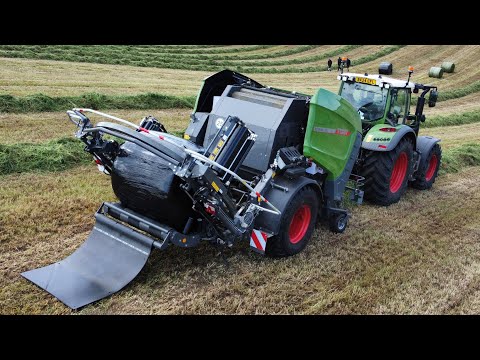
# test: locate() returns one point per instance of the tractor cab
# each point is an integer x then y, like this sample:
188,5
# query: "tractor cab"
384,100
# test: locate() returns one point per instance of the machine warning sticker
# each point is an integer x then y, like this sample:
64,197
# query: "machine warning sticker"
215,186
342,132
366,80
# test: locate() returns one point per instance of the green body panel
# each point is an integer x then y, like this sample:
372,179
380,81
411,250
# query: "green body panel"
381,137
331,131
376,140
198,96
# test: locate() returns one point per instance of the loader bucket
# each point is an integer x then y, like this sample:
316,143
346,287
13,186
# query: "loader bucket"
109,259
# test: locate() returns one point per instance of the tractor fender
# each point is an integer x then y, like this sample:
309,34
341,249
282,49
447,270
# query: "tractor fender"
424,146
376,140
279,198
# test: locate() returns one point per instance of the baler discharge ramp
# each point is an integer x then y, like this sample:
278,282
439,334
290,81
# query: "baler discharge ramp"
107,261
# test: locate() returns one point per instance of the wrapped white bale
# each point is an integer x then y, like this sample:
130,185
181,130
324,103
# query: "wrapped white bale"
448,66
435,72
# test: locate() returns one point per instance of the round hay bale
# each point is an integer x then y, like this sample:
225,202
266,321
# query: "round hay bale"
435,72
385,68
448,66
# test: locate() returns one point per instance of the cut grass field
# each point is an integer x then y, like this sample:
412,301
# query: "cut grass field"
54,155
424,261
60,78
423,57
22,77
376,266
44,126
41,102
469,101
273,59
452,136
122,55
276,63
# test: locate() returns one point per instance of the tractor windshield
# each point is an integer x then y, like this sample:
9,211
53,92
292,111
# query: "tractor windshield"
368,100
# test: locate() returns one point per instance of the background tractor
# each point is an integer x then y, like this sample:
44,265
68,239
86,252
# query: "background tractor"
392,154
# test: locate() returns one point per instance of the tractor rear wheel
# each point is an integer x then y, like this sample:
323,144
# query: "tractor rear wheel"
297,224
387,173
425,176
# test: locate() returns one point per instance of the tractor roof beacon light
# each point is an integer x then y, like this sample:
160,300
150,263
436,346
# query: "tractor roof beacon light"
410,72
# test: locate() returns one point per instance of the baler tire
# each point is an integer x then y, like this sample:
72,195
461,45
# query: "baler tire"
378,169
425,177
281,245
338,223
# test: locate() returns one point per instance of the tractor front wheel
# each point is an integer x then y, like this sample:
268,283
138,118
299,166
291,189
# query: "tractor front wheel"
297,224
426,175
387,173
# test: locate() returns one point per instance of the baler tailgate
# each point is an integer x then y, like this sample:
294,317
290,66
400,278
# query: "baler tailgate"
109,259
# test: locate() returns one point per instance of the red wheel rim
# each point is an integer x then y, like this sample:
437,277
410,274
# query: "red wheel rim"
432,166
299,224
399,172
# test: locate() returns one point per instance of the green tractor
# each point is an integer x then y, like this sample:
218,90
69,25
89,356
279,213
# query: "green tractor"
392,155
256,164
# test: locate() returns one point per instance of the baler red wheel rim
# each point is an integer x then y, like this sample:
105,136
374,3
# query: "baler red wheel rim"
398,173
299,224
432,166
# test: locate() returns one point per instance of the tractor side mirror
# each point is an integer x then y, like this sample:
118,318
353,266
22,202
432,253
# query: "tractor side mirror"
432,98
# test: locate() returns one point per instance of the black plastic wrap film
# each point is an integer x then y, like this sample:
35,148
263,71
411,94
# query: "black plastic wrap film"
145,183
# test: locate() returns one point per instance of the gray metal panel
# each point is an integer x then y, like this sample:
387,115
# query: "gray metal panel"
109,259
261,119
194,128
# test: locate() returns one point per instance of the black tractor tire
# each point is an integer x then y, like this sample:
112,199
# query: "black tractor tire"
387,173
338,223
296,224
426,175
